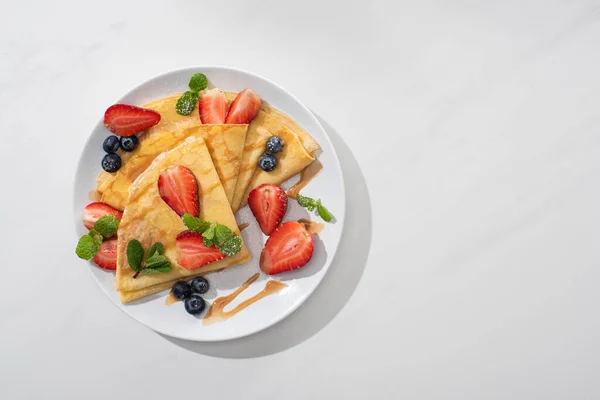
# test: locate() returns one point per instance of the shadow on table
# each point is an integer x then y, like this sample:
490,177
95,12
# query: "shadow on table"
337,286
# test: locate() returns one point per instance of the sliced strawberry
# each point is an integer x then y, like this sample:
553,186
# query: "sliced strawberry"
95,210
192,253
106,256
289,247
213,107
126,120
268,204
244,108
178,188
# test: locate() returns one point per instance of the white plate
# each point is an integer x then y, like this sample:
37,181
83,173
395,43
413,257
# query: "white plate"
329,186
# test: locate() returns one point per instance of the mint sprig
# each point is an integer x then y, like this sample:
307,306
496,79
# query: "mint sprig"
312,204
156,261
186,103
188,100
198,82
88,245
107,225
219,235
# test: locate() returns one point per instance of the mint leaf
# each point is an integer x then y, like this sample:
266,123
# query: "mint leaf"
323,212
210,232
186,103
87,247
222,232
207,242
156,248
107,225
306,202
231,246
156,263
96,236
135,254
198,82
195,224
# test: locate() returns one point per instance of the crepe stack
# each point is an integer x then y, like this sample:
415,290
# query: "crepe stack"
149,219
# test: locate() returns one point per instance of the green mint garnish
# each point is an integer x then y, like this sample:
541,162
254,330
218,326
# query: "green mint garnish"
312,204
186,103
156,263
135,254
96,236
156,248
209,234
231,246
87,247
107,225
222,233
195,224
198,82
323,212
306,202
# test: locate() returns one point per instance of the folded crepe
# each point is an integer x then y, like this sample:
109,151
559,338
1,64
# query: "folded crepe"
297,153
149,219
292,160
225,144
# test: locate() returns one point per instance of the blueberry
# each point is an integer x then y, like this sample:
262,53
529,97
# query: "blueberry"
195,304
267,162
129,143
111,162
199,285
111,144
181,290
274,145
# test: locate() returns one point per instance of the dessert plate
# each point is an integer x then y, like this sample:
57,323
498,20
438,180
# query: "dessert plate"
328,186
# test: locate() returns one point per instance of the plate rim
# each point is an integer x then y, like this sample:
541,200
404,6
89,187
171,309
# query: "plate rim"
341,221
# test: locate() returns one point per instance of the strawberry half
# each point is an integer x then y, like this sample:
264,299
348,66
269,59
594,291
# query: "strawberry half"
179,189
213,107
192,253
106,256
244,108
126,120
268,204
93,211
289,247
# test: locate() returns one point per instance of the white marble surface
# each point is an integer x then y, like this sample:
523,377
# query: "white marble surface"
470,136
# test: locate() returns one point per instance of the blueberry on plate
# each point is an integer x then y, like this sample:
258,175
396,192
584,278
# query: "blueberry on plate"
111,162
274,145
129,143
195,304
181,290
199,285
267,162
111,144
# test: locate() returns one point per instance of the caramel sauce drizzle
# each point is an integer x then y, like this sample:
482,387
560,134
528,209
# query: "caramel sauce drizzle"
217,313
170,300
307,175
243,226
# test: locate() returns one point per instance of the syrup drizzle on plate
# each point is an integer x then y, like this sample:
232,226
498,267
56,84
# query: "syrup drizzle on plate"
217,313
307,175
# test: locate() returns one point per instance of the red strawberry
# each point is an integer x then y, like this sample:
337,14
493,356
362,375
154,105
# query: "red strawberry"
289,247
126,120
213,107
244,108
97,209
192,253
268,204
178,188
106,256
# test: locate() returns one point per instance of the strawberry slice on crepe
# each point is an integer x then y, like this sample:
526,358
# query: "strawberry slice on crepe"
213,107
